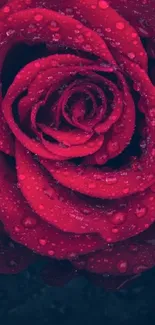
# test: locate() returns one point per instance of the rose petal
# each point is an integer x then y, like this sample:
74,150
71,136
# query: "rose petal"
69,212
25,227
113,27
127,258
91,146
68,137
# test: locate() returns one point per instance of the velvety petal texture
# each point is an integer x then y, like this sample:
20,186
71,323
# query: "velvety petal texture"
77,138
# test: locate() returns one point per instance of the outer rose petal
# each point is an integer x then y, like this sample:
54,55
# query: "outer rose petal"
140,14
71,213
129,257
25,227
114,28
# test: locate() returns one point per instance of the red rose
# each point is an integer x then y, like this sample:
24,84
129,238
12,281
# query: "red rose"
78,118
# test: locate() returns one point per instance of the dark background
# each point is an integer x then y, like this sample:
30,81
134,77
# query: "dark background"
25,299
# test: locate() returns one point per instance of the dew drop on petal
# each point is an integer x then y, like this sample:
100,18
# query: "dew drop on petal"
120,25
122,266
50,252
21,177
103,4
111,180
79,39
114,230
54,27
42,242
12,263
29,222
125,190
141,212
16,229
153,152
139,268
93,6
49,192
131,55
86,211
152,112
108,29
41,207
38,17
134,35
113,147
118,218
6,9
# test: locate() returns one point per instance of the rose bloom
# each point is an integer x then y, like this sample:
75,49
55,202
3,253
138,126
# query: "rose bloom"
77,137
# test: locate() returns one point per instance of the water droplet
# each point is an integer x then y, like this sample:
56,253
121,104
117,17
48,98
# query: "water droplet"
112,147
16,229
103,4
79,39
38,17
86,211
6,9
139,268
134,35
37,64
54,27
10,32
41,207
153,122
140,211
118,218
108,29
56,37
152,112
108,239
93,7
42,242
110,180
122,266
125,190
120,25
50,252
153,152
29,222
21,177
49,192
12,263
131,55
114,230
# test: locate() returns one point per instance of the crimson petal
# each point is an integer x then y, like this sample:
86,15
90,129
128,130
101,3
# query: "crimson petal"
128,258
67,211
25,227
